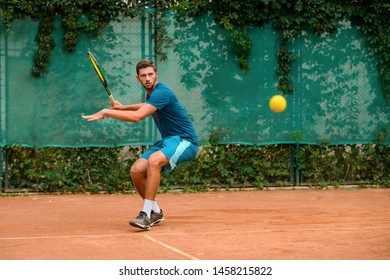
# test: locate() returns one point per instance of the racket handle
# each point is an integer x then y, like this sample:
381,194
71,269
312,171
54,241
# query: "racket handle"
112,100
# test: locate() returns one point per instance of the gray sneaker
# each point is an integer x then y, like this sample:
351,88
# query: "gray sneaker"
156,218
141,221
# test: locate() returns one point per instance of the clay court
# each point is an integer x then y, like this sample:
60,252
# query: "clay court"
343,224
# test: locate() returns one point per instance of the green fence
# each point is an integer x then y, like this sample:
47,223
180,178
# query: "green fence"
337,96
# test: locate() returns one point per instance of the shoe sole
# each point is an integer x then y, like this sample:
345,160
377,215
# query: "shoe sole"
137,225
159,221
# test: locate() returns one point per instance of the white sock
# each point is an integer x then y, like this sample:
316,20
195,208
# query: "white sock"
148,205
156,208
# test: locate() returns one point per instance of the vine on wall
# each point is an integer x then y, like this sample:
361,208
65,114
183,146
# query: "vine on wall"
238,17
77,16
289,17
94,170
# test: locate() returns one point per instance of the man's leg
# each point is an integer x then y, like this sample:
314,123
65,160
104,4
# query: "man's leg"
146,174
147,184
156,161
138,175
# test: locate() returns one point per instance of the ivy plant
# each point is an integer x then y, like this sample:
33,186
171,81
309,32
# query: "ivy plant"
238,17
77,16
289,18
95,170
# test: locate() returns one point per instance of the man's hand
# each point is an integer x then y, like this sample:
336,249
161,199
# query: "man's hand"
97,116
117,106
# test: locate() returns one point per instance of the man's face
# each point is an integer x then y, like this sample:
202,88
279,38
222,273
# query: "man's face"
147,77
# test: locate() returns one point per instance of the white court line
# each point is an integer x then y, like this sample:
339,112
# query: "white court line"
98,236
278,230
190,233
63,236
171,248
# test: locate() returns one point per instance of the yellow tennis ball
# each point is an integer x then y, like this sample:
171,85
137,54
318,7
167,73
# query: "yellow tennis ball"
277,103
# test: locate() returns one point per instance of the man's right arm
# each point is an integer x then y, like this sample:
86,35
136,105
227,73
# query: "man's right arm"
130,107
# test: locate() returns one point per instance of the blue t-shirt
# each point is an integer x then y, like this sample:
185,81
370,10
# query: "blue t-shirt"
171,118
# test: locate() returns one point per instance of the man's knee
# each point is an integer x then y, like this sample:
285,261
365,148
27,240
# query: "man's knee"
138,168
157,160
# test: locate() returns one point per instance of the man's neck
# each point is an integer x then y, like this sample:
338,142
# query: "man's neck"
150,90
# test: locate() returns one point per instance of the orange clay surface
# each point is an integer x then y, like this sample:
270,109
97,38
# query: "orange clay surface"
226,225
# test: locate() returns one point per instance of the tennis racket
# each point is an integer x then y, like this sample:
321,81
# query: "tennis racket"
100,74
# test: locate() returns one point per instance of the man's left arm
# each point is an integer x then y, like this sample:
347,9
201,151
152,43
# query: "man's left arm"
127,116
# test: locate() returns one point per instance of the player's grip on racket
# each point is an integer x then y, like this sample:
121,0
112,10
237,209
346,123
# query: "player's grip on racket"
100,74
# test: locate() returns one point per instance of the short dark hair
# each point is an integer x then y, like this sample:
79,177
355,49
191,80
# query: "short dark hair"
144,63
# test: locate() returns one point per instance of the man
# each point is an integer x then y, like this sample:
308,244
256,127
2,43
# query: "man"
179,141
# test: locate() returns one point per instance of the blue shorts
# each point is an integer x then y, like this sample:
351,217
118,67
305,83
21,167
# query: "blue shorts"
175,149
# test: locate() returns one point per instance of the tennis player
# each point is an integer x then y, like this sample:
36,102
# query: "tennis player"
179,141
